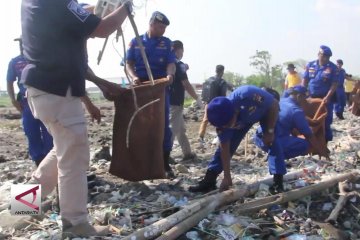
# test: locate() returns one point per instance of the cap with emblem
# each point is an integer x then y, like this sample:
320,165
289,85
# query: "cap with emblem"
325,50
220,111
160,17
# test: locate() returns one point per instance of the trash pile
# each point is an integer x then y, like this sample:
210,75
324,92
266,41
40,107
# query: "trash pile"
321,199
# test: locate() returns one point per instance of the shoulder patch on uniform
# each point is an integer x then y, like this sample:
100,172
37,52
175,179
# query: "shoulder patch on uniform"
78,11
258,98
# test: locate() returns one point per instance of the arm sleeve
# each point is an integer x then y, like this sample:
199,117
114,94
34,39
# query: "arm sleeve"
73,18
306,73
130,53
171,55
225,135
335,75
301,123
11,75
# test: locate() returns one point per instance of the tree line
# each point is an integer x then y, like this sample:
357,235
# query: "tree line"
267,74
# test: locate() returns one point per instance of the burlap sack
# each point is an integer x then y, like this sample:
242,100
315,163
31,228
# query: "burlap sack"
355,106
317,123
144,157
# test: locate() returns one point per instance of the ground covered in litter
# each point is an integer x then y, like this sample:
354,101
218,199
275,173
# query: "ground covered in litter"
129,206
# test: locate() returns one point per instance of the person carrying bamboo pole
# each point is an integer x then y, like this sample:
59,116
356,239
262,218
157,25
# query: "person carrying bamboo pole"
233,116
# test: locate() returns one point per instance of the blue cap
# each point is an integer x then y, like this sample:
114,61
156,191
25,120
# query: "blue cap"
339,61
160,17
325,50
220,111
297,89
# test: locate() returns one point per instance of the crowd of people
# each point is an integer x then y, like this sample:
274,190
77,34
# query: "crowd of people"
51,80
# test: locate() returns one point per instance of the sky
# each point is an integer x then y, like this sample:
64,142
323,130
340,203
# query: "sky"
224,32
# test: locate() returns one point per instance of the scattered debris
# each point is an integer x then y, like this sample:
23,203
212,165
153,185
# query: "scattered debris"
164,209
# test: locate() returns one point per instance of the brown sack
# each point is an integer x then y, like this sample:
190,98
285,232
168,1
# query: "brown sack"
355,106
144,158
314,107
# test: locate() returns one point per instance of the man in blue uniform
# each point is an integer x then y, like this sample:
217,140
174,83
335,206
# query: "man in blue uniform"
321,79
340,91
162,63
291,117
54,34
177,97
39,140
233,116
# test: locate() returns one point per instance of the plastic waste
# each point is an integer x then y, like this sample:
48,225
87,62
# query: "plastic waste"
263,191
193,235
327,206
232,233
296,237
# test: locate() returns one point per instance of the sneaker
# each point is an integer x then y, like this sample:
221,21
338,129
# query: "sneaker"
82,230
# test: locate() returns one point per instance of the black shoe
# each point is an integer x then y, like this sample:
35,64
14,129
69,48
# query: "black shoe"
170,174
340,115
90,176
278,186
168,171
207,184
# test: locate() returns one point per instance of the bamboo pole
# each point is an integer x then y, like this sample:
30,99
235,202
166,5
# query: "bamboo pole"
295,194
188,223
209,203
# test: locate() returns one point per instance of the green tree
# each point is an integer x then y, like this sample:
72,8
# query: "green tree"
271,75
256,79
234,79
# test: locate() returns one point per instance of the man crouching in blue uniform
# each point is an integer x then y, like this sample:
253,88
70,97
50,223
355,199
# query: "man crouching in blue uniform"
321,78
291,116
233,116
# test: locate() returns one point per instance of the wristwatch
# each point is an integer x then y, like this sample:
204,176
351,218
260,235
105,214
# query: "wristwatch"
270,130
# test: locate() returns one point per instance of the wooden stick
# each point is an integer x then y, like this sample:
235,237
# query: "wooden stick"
218,199
184,226
141,46
294,194
345,195
318,110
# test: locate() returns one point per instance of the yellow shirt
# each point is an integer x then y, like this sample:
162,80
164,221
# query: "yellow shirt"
349,85
293,79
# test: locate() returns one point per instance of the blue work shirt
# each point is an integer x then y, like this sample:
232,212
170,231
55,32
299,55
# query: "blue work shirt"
291,116
320,78
252,104
54,34
16,66
158,52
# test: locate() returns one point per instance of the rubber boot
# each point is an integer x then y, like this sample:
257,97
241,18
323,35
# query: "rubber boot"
168,171
207,184
278,186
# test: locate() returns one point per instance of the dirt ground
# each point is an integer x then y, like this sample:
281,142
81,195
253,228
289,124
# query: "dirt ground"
248,165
